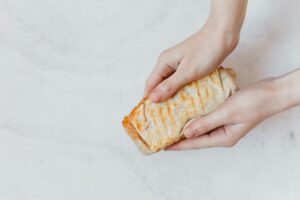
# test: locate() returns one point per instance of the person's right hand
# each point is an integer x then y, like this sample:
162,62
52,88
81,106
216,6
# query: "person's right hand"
240,113
225,126
192,59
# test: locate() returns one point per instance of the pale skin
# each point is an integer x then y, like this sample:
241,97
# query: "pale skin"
200,54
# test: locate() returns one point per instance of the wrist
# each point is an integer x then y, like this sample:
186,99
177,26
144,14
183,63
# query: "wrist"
225,25
228,15
228,37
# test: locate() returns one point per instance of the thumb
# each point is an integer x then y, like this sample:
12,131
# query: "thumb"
207,123
169,86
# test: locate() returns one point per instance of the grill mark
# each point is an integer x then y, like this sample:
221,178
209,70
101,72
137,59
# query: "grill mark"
155,128
221,82
137,112
198,88
181,107
194,85
168,107
153,118
206,92
163,120
138,126
136,120
193,104
215,79
144,115
145,119
182,97
170,114
175,104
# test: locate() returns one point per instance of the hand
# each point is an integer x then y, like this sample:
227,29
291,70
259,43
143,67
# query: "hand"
200,54
190,60
235,118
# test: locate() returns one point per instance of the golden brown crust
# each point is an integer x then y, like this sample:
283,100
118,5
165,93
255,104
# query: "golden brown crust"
136,138
153,127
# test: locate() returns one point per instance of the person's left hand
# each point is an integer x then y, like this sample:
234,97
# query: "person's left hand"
190,60
232,120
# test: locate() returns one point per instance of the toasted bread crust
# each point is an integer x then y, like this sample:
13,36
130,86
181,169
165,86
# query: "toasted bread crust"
136,138
135,124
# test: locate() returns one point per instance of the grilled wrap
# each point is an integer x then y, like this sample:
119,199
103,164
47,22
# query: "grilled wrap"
155,126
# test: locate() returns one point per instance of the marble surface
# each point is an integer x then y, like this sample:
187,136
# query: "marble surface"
70,70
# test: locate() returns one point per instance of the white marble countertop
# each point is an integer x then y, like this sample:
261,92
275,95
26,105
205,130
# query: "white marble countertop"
69,72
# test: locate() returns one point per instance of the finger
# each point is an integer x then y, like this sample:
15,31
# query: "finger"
165,66
170,86
219,137
209,122
158,74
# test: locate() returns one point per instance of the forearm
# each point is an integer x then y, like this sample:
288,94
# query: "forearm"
288,89
226,20
228,14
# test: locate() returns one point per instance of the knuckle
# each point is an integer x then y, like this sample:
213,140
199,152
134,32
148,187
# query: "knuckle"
188,70
188,65
164,54
187,76
180,79
166,86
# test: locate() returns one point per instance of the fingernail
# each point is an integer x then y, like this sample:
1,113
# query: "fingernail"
154,97
188,132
